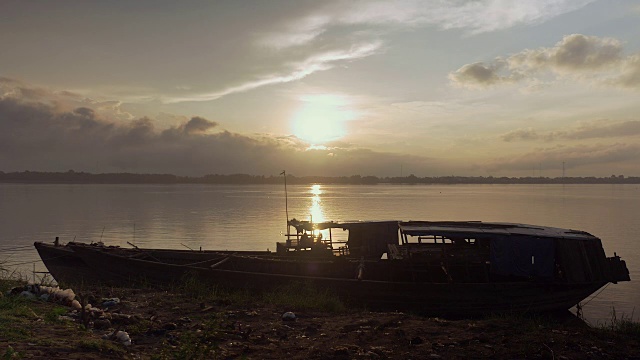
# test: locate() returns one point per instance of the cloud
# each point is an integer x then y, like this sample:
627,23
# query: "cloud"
630,74
296,71
592,130
577,56
574,156
483,75
520,135
60,100
354,30
473,17
199,124
363,23
297,32
574,53
40,136
604,130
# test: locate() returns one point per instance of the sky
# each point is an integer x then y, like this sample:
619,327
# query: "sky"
331,88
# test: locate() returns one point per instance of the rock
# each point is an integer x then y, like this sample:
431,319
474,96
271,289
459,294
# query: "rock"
288,316
76,305
416,341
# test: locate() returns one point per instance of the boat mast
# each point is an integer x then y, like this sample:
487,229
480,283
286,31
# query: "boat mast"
286,200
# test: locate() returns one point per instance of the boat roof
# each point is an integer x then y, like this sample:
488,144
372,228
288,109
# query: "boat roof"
308,225
423,228
459,228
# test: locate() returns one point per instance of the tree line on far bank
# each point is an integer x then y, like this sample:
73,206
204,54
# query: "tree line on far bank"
73,177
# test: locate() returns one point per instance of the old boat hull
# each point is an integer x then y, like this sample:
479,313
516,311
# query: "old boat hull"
429,298
66,267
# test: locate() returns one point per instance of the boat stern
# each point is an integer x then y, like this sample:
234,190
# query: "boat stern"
618,269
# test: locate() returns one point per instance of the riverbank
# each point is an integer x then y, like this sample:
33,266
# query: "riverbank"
192,322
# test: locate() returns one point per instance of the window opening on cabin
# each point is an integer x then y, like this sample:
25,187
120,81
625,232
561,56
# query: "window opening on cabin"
438,239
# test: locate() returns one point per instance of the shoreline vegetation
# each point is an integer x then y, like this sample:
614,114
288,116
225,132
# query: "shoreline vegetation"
73,177
192,321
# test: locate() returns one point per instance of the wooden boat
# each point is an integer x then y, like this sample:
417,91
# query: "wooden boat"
454,268
66,267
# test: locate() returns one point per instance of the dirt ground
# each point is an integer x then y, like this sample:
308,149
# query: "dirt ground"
173,325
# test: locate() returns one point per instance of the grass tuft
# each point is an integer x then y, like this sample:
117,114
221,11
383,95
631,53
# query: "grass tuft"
621,324
53,315
10,353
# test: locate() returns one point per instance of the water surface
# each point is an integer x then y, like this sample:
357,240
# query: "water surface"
252,217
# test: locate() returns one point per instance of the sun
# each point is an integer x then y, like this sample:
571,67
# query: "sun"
322,118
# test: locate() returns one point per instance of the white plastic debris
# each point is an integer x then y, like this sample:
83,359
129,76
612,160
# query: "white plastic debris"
123,337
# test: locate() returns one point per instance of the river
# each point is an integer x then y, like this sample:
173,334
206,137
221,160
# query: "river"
252,217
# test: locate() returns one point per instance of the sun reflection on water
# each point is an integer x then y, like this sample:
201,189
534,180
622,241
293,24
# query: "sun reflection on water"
317,214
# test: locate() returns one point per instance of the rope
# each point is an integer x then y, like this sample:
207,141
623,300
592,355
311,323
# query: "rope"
35,261
9,248
22,263
16,250
594,296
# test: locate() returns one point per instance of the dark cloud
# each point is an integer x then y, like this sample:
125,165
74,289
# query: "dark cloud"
594,130
577,55
198,124
604,130
38,136
85,112
574,156
478,73
574,52
520,135
482,75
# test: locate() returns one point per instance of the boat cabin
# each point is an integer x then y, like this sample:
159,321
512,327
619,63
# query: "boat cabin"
363,239
465,251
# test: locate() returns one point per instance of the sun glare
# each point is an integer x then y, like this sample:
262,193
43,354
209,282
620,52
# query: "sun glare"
321,118
315,210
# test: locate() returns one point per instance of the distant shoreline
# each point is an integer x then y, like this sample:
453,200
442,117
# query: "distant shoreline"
72,177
